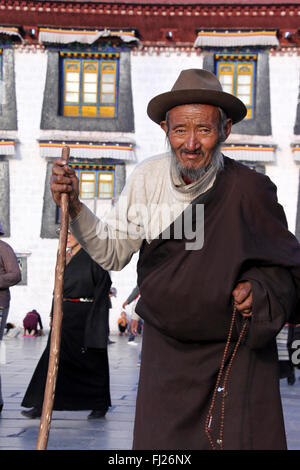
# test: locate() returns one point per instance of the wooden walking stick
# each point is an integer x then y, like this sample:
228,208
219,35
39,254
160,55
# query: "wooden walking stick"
56,321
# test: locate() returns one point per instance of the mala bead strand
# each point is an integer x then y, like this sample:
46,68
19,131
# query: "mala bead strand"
224,394
209,419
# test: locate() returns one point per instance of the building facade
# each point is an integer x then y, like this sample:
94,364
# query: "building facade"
81,73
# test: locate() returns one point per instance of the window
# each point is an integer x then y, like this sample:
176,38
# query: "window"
96,182
74,117
237,76
89,85
105,185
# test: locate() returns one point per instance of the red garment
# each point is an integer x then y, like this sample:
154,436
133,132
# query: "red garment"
32,320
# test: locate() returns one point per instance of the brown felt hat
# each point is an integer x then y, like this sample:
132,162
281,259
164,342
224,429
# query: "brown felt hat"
196,86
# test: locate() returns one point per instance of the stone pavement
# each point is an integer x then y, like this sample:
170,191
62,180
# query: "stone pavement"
290,396
71,430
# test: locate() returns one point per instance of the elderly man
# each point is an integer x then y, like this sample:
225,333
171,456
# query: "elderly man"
211,308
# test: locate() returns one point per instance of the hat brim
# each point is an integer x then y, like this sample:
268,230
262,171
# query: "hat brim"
161,104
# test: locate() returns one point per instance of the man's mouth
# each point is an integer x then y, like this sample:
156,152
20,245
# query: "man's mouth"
192,155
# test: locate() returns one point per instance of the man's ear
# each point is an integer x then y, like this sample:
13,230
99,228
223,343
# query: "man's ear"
163,125
228,127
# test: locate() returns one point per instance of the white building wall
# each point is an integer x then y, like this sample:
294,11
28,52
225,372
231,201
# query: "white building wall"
151,74
284,91
27,179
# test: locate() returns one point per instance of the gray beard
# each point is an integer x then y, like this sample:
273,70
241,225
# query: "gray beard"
195,174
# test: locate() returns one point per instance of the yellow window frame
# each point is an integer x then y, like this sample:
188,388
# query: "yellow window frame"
238,74
83,80
81,107
102,173
220,64
66,62
237,62
82,180
103,73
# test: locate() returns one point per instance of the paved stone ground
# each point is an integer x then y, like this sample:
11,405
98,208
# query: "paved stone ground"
290,395
71,430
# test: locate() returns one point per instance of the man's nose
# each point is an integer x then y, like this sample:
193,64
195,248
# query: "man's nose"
191,142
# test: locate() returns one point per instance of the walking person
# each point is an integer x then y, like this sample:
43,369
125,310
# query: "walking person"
216,288
10,275
83,371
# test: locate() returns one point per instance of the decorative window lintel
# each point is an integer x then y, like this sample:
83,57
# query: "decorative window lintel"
7,147
250,153
83,36
236,38
79,150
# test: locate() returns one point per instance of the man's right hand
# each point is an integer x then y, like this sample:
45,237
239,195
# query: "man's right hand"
64,180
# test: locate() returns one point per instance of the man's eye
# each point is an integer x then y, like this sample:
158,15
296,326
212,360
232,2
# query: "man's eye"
203,130
179,131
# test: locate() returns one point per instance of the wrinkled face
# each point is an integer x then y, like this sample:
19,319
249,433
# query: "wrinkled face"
193,131
71,242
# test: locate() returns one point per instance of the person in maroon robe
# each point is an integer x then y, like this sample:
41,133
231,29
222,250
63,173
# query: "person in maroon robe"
209,372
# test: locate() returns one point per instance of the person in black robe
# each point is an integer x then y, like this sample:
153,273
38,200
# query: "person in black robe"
83,372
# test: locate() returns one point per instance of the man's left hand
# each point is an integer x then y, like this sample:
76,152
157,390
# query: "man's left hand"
243,300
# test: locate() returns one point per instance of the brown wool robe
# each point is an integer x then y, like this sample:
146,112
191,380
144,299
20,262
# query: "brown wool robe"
186,305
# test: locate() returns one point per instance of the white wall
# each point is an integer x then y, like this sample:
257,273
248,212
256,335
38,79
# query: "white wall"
284,91
27,179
